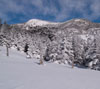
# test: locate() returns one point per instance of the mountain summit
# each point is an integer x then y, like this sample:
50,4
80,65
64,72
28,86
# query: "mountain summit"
37,22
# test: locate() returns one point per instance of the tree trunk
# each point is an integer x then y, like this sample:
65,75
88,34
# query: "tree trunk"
7,50
41,59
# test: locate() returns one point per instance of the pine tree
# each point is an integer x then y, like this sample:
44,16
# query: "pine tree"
26,48
74,51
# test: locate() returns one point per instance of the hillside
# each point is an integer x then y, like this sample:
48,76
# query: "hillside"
17,72
76,41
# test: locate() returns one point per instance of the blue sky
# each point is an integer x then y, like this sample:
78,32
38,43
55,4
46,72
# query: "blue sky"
19,11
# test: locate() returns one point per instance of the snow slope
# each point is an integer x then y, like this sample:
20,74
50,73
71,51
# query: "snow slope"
17,72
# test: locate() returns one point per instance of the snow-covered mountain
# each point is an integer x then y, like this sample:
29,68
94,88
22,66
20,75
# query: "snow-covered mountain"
77,41
36,22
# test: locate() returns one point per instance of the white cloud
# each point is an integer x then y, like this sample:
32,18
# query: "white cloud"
10,6
26,8
86,8
95,9
69,6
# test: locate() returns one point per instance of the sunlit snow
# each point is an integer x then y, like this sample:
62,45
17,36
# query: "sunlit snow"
17,72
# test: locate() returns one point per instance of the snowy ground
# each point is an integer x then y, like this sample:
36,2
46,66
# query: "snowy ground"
17,72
